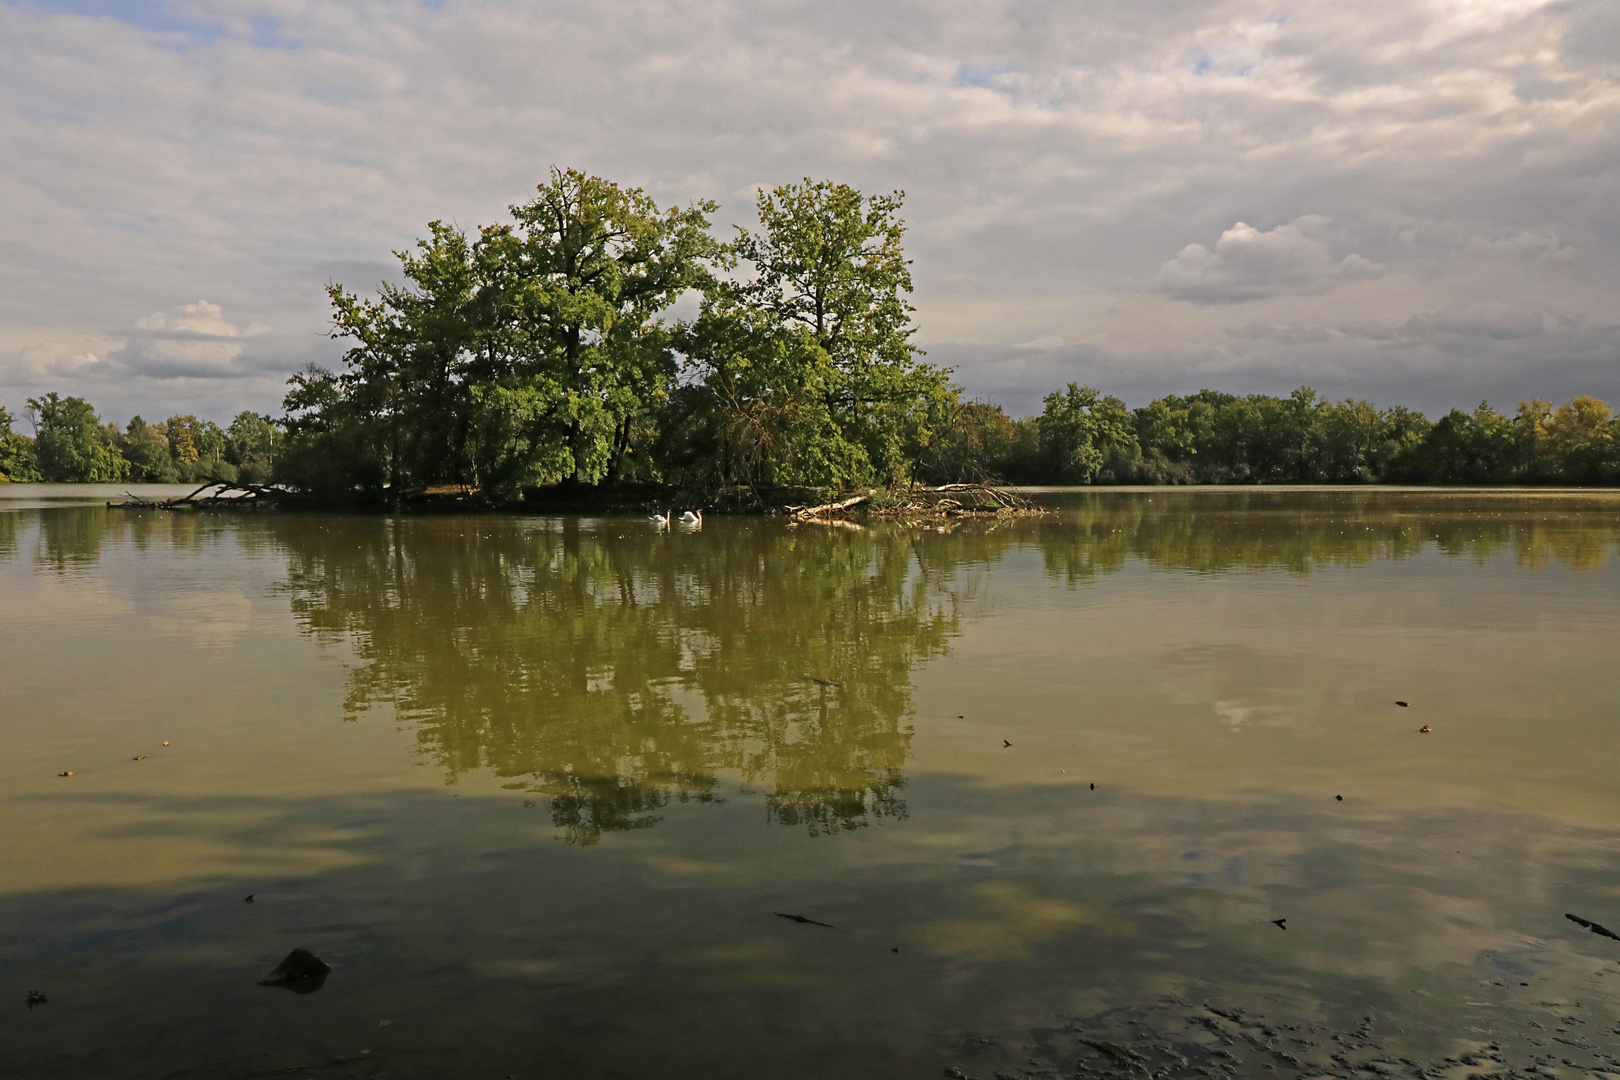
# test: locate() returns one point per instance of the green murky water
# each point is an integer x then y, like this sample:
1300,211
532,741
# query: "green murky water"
537,789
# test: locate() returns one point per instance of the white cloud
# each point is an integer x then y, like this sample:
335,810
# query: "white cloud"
1250,264
191,341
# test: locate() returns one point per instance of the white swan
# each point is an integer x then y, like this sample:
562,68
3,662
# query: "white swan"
660,520
692,517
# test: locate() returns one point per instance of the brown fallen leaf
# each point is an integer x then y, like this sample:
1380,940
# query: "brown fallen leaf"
385,1023
165,744
64,774
1424,730
140,757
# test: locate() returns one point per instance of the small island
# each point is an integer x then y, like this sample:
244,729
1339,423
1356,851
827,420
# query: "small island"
600,352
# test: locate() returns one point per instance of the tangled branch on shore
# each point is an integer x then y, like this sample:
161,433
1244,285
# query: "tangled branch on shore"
924,504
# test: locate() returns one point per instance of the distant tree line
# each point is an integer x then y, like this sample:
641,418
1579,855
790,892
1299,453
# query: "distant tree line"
1209,437
72,445
1080,438
540,351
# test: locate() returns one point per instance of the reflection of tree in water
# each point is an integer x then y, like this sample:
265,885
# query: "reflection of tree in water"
614,668
72,537
1303,531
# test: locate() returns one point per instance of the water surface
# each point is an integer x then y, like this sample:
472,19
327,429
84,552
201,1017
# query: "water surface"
537,789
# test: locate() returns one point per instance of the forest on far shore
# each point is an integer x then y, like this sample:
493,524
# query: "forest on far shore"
538,352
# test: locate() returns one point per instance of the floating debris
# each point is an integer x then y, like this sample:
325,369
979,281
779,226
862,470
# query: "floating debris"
805,919
36,997
1600,931
1338,798
1404,704
68,773
139,757
1004,742
822,682
248,899
1424,730
1281,924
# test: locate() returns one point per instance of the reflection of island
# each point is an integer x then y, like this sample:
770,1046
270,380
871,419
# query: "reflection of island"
612,667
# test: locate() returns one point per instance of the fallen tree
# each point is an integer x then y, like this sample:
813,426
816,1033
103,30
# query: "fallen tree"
223,495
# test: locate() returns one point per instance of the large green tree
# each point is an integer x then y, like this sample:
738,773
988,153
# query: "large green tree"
536,352
586,270
1082,431
804,366
70,443
146,448
16,453
251,444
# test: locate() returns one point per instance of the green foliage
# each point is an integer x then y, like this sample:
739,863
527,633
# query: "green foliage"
534,353
251,443
1210,437
17,464
975,441
71,446
1082,433
1577,443
146,448
181,449
803,371
1215,438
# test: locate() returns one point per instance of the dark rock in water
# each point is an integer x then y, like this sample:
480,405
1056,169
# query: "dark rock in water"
302,972
1601,931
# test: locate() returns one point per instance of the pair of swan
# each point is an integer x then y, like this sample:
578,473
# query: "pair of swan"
691,517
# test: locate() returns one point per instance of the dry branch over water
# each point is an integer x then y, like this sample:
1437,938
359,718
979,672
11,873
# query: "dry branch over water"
222,496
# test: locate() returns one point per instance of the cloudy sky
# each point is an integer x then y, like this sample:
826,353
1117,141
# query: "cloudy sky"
1402,200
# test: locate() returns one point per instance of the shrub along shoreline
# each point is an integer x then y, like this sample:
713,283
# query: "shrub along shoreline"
535,360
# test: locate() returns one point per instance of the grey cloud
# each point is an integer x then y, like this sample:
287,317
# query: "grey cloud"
1498,321
144,172
1535,244
1286,333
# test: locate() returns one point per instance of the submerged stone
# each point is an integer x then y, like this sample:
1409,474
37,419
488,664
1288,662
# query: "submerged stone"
301,972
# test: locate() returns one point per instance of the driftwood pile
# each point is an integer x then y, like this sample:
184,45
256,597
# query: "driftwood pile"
923,504
222,496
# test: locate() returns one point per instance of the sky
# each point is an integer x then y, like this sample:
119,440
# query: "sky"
1406,201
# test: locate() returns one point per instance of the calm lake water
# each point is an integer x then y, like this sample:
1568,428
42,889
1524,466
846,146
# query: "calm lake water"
538,788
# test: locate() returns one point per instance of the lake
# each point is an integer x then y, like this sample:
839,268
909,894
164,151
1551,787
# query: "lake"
544,792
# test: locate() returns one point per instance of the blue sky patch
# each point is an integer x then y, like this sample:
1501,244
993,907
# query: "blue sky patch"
154,15
983,74
267,33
